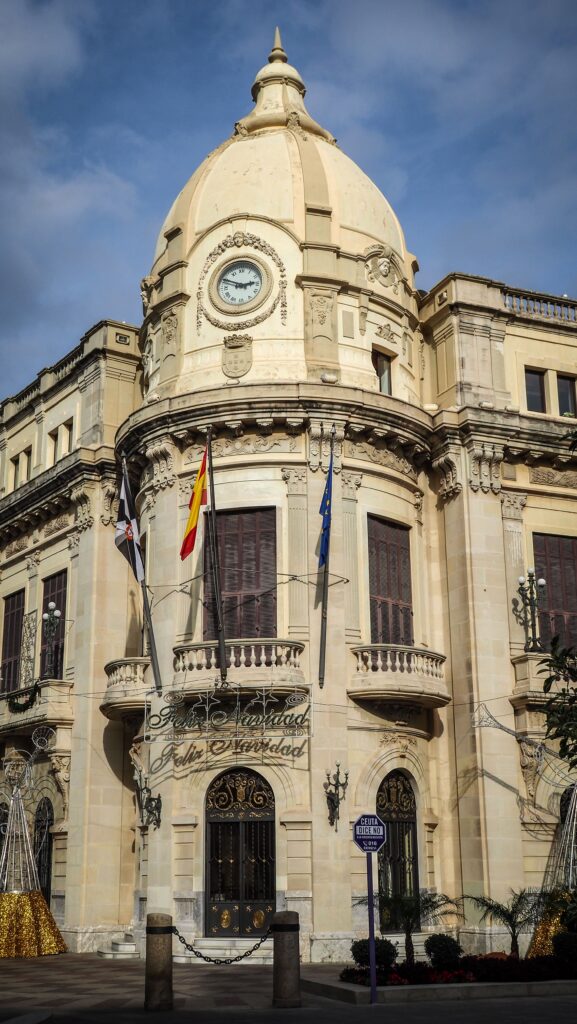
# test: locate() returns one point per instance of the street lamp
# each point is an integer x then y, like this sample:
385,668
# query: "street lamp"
529,591
51,620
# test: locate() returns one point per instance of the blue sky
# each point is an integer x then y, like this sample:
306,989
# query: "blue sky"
463,113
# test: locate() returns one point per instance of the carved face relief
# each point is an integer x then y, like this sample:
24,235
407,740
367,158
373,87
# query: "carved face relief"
382,265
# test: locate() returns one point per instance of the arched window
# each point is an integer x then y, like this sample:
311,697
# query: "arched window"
43,822
398,858
240,854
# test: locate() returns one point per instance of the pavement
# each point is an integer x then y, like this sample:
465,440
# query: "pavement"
85,989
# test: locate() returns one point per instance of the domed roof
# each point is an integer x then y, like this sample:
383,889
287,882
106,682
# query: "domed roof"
279,163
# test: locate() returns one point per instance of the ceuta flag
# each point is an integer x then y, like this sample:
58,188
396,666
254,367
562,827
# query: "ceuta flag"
197,500
127,536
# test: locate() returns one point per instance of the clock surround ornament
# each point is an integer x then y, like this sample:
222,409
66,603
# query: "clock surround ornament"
239,285
238,240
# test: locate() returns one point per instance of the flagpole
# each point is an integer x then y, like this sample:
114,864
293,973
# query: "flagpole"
213,540
325,596
145,601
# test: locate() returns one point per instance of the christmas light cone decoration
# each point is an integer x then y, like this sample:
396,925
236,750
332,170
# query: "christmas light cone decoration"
561,878
27,928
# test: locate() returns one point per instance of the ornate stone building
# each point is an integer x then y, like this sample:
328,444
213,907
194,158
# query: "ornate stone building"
281,301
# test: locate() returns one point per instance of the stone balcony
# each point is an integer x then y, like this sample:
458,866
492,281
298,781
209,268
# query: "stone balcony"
52,706
126,687
250,663
395,674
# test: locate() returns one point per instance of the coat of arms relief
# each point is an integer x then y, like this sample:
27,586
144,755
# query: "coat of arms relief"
237,355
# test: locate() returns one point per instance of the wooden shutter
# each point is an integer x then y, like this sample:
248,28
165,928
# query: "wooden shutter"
390,583
54,590
556,562
12,640
247,552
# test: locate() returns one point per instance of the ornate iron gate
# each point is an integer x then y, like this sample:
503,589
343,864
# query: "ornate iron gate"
240,854
398,858
43,822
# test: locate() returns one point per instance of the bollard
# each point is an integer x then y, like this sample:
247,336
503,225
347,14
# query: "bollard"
286,977
158,971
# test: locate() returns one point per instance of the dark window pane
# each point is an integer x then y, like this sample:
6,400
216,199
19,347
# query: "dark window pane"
535,387
247,553
54,590
382,368
556,563
389,583
12,640
566,392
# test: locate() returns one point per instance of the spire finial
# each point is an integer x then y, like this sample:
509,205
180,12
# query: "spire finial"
277,53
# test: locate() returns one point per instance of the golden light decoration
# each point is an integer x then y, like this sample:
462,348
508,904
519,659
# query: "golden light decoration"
27,928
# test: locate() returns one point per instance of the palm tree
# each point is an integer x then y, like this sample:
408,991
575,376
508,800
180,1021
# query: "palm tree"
519,913
410,913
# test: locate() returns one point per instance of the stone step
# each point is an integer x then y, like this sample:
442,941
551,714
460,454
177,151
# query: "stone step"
121,949
225,948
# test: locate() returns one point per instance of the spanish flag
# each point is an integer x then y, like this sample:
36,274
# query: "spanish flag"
197,499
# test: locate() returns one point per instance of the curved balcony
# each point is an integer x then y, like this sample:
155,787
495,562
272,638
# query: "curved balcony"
250,663
126,687
396,674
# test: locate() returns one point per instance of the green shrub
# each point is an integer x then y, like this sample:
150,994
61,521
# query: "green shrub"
565,946
443,951
385,953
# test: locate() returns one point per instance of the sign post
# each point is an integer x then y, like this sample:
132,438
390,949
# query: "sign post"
370,833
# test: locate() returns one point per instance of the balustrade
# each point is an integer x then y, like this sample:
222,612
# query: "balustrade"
548,307
394,672
126,687
252,660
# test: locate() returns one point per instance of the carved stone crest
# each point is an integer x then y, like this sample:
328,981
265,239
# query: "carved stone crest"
237,355
383,266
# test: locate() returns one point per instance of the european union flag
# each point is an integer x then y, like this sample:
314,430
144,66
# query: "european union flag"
326,512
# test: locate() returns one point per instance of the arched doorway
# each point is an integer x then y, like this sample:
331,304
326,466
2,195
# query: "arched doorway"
398,858
43,822
240,854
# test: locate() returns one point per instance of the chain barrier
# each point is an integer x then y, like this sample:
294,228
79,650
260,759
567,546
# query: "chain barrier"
220,960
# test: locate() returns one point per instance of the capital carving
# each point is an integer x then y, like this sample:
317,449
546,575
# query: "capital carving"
351,483
512,504
109,512
32,563
485,467
83,518
159,472
295,480
319,446
531,759
418,503
449,484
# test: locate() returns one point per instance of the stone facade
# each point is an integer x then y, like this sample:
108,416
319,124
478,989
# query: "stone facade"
452,454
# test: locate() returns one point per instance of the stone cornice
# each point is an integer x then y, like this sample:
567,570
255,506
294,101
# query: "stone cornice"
55,489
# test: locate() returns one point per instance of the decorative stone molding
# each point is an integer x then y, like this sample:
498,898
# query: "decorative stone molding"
485,467
418,503
385,333
321,304
237,355
110,500
378,450
239,240
83,518
147,292
401,741
382,265
248,444
159,472
60,766
56,525
512,504
319,447
295,480
32,563
74,540
554,477
351,483
531,758
169,330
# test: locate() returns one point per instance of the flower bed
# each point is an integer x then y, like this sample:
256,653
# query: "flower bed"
470,968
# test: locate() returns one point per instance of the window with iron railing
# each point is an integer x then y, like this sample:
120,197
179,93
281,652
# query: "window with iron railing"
390,582
54,591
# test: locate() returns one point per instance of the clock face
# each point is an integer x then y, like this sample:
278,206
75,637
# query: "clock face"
240,283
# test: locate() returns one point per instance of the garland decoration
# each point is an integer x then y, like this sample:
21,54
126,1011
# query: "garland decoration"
17,706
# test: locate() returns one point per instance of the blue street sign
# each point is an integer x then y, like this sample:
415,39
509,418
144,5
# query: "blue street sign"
369,833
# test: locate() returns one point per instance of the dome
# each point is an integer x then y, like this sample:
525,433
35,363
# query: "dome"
278,162
280,204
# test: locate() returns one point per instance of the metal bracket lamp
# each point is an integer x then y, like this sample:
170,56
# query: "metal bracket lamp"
529,591
335,790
